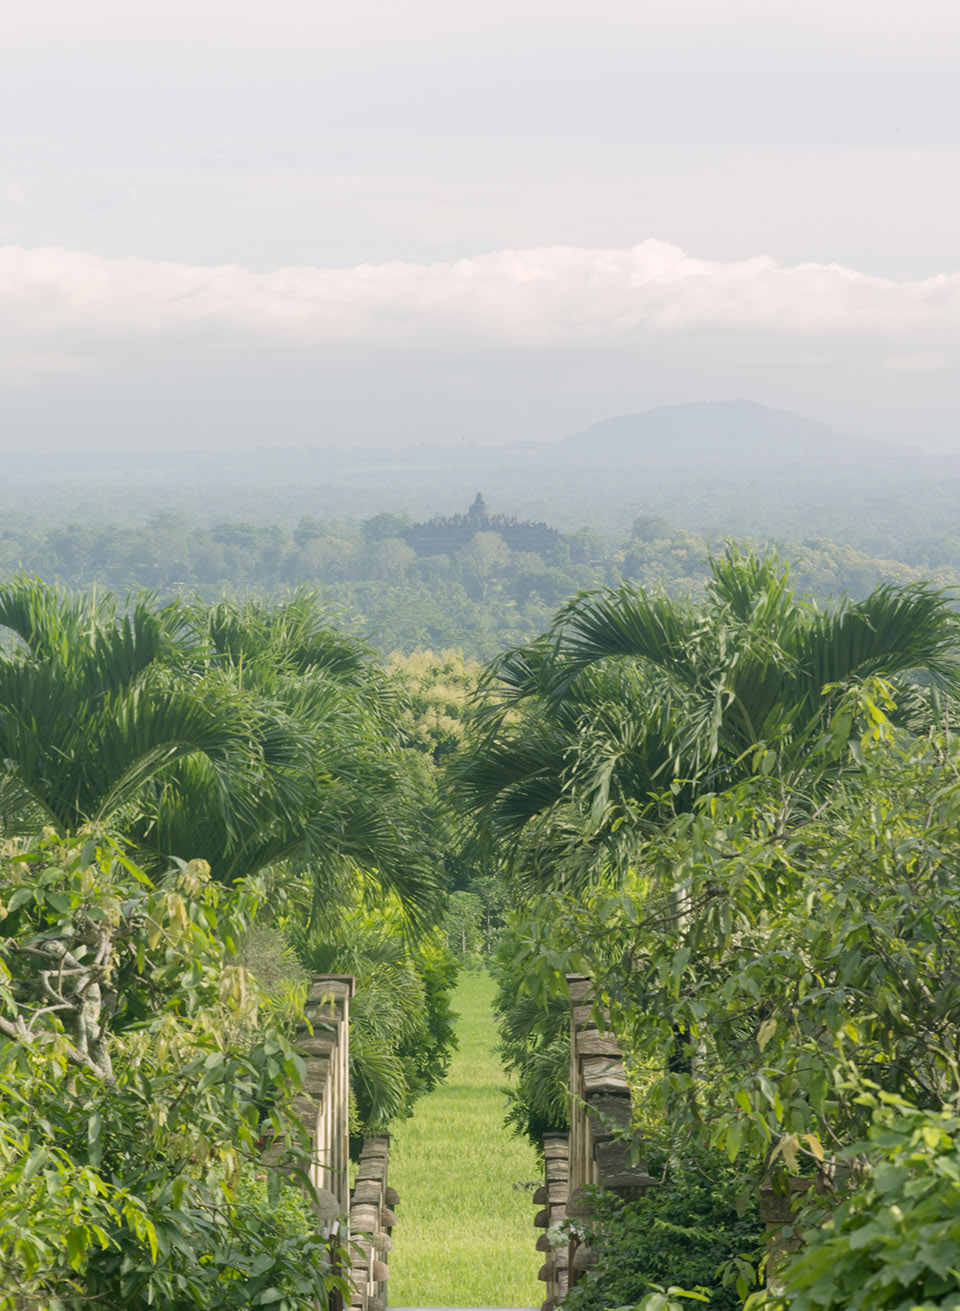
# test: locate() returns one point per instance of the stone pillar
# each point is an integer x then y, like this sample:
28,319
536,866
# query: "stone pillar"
323,1040
371,1219
552,1198
599,1109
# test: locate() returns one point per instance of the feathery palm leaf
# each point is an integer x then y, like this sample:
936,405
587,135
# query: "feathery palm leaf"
631,692
244,734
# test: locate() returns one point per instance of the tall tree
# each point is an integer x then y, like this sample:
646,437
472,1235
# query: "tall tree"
253,733
634,704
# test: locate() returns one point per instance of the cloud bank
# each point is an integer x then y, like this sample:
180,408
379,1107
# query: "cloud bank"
64,304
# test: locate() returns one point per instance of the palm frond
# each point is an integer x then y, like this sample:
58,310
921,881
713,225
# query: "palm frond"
892,631
628,622
48,620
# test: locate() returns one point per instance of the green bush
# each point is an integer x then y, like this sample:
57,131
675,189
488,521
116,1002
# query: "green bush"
893,1244
534,1041
683,1232
140,1071
401,1022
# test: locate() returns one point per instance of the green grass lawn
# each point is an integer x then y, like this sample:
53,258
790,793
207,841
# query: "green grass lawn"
464,1235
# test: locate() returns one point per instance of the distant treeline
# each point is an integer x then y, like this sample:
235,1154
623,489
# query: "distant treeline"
480,594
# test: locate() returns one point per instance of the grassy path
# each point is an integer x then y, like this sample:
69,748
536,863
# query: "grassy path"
464,1235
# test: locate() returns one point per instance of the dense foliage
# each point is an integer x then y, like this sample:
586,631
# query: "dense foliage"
140,1070
635,704
258,734
774,947
401,1032
688,1230
480,597
741,820
739,814
273,742
437,720
893,1242
534,1031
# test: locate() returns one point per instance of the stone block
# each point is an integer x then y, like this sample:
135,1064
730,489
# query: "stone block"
579,1205
367,1193
316,1080
316,1044
601,1074
365,1219
583,1017
584,1258
615,1171
776,1208
591,1042
580,988
611,1107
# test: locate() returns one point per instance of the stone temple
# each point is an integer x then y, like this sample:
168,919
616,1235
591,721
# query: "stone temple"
444,536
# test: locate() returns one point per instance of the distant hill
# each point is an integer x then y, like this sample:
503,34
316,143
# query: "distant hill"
720,469
723,432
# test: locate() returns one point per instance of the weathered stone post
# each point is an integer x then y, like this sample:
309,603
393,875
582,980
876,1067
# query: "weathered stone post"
323,1041
591,1155
371,1219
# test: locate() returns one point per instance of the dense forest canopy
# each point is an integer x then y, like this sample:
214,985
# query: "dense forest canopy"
478,580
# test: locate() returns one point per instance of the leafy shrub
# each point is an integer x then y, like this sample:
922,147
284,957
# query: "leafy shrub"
401,1023
139,1071
893,1244
534,1041
679,1234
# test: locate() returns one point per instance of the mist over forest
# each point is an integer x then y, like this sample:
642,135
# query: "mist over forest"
641,497
720,469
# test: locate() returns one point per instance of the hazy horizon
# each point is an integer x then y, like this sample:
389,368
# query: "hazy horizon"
186,453
230,226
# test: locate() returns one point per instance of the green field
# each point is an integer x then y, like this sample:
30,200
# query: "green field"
464,1234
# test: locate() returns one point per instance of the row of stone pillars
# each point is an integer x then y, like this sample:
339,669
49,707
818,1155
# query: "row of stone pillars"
322,1105
372,1218
596,1154
591,1155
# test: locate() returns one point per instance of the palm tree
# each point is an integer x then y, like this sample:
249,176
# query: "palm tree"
91,706
634,704
249,735
328,788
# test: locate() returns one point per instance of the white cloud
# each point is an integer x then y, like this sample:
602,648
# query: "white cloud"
76,302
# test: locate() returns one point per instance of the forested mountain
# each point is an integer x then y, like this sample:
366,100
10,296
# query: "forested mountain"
724,433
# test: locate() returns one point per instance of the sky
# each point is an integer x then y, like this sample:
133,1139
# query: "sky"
298,222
